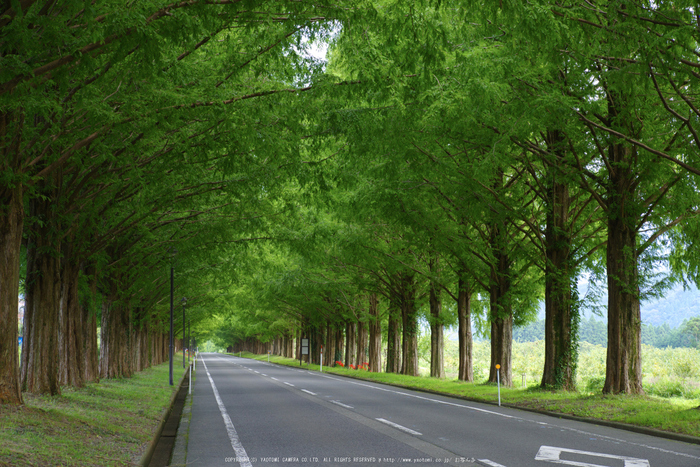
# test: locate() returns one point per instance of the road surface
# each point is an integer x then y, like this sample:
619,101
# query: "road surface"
251,413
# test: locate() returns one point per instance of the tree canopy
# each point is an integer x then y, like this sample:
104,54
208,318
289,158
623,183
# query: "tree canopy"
445,164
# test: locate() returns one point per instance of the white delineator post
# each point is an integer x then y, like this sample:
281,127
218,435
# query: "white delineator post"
498,382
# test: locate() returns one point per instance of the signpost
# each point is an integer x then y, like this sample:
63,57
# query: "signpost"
304,349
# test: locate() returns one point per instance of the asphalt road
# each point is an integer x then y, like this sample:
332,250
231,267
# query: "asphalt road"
251,413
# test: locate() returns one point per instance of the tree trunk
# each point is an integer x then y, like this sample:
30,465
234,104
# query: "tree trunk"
561,351
71,328
89,319
501,313
464,298
11,225
437,340
393,346
115,358
375,335
339,345
40,347
409,318
623,373
361,344
350,344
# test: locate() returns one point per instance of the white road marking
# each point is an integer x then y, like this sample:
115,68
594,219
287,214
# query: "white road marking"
309,392
609,439
399,427
491,463
552,454
342,405
272,377
263,374
241,455
289,384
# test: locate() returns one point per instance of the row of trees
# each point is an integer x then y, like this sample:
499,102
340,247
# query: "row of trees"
442,151
495,153
133,140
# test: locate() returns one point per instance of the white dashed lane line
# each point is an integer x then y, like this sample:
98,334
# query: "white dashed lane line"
342,405
309,392
399,427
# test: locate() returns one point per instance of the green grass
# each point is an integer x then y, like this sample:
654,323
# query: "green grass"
109,423
673,414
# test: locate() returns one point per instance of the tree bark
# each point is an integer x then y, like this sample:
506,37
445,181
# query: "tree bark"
89,320
115,358
11,225
71,328
623,373
393,346
409,319
464,297
350,342
561,352
501,313
361,358
339,344
437,340
375,335
40,347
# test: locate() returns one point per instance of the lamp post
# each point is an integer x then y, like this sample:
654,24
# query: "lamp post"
172,286
184,302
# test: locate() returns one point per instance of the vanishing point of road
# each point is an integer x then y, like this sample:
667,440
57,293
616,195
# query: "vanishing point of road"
251,413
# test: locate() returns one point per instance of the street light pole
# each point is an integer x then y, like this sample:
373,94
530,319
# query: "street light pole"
172,286
184,302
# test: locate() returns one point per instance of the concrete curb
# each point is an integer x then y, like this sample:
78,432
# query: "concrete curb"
179,455
611,424
146,458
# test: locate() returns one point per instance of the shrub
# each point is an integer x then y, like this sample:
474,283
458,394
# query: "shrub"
594,384
672,387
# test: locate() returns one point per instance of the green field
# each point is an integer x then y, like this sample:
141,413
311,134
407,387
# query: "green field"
671,372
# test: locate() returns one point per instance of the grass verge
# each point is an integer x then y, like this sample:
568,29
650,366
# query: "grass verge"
109,423
676,415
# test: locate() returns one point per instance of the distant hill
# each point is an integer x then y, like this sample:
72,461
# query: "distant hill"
677,306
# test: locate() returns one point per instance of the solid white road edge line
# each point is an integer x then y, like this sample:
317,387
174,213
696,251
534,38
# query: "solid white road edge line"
241,455
399,427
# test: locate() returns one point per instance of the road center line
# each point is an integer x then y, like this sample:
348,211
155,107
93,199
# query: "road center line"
399,427
309,392
241,455
342,405
288,384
